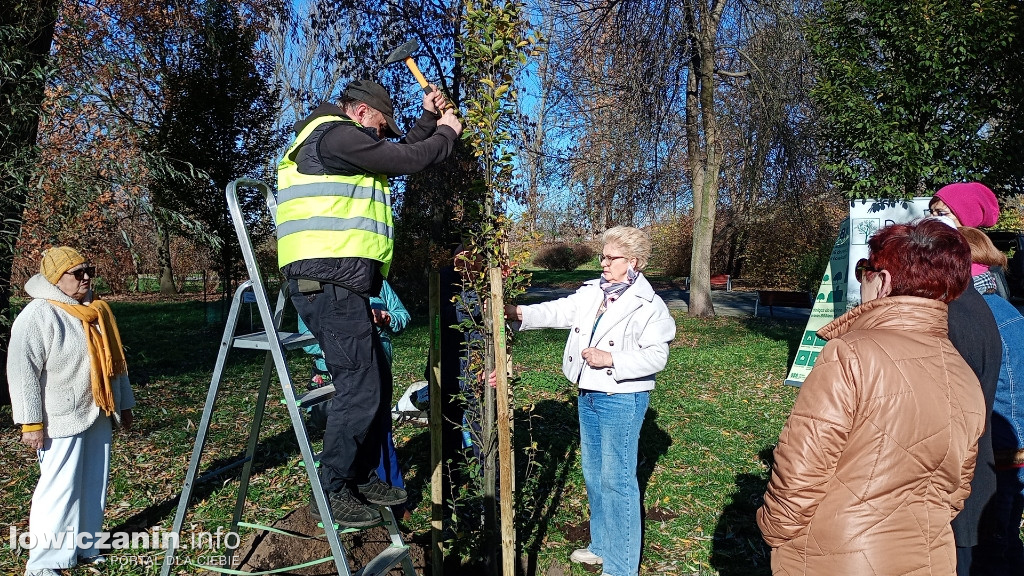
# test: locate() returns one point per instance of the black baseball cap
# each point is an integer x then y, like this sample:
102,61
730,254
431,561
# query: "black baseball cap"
375,96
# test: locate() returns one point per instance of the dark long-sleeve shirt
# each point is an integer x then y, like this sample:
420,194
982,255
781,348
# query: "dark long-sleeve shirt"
345,148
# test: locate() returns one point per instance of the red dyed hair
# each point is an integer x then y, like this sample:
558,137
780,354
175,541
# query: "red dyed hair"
928,259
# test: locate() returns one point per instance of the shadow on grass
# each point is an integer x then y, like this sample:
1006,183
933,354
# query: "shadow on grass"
737,548
555,462
554,426
781,330
544,474
654,443
164,340
271,452
168,339
541,475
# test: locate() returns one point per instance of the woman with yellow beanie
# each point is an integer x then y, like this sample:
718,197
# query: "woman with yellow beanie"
69,387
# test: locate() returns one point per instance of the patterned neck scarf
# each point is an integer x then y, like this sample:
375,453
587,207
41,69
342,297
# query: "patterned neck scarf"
612,290
985,283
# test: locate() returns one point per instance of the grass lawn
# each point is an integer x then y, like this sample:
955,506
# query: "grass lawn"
718,408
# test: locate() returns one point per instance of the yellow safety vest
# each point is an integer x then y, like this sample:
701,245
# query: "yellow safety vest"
332,216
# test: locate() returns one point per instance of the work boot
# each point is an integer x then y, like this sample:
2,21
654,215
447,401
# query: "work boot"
348,510
377,492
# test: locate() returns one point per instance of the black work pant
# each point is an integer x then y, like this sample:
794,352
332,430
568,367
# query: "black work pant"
342,323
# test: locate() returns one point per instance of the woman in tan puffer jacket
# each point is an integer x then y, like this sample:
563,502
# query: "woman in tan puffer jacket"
877,455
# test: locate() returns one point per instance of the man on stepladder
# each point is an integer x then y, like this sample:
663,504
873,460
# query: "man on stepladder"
335,242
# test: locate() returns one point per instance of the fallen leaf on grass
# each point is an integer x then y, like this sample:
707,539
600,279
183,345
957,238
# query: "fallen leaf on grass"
661,514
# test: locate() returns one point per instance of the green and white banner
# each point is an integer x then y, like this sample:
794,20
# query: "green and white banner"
829,303
839,290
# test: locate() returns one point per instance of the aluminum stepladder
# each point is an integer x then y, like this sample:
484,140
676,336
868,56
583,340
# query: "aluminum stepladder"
275,343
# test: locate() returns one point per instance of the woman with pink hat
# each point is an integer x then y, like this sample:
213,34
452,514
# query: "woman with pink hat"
975,335
967,204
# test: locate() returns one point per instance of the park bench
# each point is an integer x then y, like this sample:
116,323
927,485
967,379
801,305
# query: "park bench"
785,298
717,281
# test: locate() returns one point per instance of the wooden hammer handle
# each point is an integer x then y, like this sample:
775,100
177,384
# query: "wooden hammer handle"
419,75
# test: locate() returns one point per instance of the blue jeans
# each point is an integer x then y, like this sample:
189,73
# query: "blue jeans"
609,439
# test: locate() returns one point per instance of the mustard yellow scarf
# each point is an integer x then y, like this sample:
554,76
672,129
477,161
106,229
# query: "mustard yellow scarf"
106,355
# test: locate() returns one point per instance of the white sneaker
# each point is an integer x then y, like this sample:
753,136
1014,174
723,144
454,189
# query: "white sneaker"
585,556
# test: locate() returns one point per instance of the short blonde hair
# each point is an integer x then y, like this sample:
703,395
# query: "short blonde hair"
634,243
983,251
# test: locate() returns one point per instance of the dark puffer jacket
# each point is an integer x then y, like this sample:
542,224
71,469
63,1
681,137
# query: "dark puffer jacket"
878,453
974,334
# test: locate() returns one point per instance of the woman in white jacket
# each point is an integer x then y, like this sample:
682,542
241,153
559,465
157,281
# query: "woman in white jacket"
69,384
619,334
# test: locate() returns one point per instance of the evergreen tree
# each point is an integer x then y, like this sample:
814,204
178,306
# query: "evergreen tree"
220,122
910,92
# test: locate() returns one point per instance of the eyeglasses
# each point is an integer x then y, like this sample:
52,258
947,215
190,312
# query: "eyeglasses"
863,266
938,212
611,258
81,272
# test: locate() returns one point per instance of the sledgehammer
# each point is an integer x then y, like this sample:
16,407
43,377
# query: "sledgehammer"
405,52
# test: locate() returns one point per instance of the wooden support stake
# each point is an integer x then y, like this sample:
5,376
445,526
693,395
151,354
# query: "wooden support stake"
506,473
436,459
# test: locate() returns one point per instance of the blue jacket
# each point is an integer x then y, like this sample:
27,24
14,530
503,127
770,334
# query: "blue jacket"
389,301
1008,410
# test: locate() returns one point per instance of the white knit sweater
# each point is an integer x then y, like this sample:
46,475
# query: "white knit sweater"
48,366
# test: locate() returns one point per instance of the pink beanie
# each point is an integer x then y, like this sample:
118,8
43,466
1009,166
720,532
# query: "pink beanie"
972,202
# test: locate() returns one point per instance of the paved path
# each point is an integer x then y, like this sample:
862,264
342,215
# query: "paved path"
731,303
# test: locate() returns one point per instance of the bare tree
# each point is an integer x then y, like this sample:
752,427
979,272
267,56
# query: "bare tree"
704,144
304,41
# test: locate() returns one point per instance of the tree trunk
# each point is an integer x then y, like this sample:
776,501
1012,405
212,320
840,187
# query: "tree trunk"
226,255
705,157
22,93
163,250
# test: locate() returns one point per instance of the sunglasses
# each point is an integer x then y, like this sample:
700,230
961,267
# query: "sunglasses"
863,266
81,272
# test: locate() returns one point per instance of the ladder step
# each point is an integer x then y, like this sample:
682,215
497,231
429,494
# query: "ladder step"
385,561
315,396
258,340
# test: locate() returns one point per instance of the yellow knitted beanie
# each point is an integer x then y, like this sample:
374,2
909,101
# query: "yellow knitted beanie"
57,261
